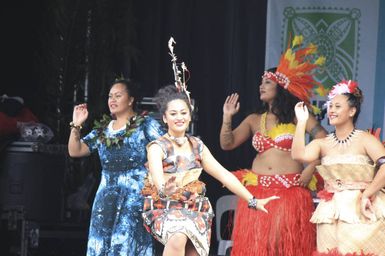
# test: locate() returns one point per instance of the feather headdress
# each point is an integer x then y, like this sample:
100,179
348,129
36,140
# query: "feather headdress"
295,69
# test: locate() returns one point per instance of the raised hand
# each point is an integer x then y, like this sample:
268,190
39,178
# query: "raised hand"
301,112
262,202
80,114
231,105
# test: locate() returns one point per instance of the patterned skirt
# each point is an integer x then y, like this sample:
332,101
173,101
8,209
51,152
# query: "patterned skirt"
286,229
164,217
341,227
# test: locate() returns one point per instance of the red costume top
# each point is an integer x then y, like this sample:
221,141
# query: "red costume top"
279,137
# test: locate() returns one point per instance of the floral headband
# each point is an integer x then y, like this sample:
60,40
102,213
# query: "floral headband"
345,86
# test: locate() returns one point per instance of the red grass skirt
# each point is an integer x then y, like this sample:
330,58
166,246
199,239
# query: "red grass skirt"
285,230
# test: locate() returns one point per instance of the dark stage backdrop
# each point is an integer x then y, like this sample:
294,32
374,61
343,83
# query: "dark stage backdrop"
223,45
221,41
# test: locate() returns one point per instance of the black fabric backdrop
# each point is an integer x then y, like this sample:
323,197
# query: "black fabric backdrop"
221,41
223,45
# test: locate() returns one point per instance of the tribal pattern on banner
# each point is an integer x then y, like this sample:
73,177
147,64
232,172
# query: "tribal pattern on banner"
336,34
345,32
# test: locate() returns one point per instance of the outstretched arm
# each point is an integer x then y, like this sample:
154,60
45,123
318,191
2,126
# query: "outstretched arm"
215,169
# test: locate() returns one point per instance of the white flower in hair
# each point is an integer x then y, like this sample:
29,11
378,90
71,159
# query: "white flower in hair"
344,86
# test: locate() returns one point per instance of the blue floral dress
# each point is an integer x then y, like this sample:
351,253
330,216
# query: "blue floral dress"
116,226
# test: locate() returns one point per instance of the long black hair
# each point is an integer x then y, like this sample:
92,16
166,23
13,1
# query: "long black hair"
282,106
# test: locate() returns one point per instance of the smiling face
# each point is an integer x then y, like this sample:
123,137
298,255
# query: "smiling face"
119,101
177,117
267,90
339,111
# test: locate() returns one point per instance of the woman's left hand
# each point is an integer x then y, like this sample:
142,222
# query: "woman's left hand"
367,208
262,202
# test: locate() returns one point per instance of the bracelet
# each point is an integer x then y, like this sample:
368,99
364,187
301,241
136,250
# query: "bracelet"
77,127
252,203
380,161
161,192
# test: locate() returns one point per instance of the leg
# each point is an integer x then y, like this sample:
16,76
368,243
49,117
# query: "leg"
190,249
175,245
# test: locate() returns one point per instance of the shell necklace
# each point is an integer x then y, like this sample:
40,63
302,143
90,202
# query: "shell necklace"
345,142
178,140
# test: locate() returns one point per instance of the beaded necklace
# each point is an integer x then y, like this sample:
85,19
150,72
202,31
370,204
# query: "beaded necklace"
178,140
342,143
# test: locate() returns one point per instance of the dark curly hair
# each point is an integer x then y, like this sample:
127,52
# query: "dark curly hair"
167,94
355,100
283,104
132,89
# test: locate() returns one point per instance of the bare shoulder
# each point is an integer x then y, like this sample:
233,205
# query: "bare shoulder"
253,120
253,117
153,148
319,141
367,138
322,144
372,145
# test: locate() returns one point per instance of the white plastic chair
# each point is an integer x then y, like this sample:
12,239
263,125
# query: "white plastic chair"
223,204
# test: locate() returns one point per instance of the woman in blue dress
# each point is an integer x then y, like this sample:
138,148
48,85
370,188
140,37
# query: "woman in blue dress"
116,226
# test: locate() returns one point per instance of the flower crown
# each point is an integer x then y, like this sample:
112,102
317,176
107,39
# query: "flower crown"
345,86
179,76
294,71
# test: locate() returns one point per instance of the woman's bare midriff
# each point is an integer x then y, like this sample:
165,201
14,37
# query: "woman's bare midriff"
275,161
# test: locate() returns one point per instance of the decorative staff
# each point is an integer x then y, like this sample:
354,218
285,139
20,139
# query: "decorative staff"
180,82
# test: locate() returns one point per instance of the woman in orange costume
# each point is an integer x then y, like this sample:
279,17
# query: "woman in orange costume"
286,230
